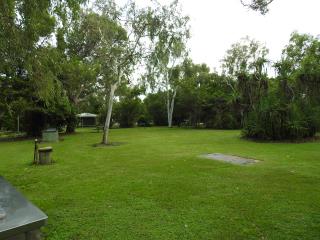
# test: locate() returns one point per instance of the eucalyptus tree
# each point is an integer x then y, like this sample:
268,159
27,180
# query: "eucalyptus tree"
170,49
124,45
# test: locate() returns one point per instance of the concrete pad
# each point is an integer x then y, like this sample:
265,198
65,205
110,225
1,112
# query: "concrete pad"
230,159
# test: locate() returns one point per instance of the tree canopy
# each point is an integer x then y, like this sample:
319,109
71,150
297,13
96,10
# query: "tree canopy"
257,5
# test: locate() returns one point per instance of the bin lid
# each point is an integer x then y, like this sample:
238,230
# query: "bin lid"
50,130
17,214
45,149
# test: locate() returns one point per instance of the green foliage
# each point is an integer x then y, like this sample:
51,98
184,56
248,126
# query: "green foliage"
129,108
208,98
30,65
55,113
204,99
35,121
78,78
156,109
246,56
274,120
173,32
169,48
281,108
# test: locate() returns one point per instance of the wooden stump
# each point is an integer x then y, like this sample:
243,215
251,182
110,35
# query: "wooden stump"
45,155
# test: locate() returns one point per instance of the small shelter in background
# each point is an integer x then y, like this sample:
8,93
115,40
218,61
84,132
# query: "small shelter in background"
87,119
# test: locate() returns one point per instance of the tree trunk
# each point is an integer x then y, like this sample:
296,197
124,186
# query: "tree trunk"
71,127
71,122
18,124
109,113
170,107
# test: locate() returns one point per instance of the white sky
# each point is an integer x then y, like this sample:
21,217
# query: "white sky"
216,24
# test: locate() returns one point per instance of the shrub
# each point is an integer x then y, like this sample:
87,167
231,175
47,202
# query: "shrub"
273,120
35,121
71,120
127,112
156,108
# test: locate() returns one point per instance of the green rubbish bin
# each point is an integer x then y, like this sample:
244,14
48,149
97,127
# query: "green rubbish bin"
50,135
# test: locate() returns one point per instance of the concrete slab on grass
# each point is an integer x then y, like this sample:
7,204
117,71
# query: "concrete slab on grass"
230,159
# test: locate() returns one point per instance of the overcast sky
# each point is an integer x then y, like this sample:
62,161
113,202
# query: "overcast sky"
216,24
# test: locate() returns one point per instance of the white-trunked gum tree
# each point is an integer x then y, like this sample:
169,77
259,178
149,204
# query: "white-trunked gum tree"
136,37
128,48
169,51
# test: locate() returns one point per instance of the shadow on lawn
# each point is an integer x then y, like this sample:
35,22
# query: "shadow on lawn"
112,144
294,141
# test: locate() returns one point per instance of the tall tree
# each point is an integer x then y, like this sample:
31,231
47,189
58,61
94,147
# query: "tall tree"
77,45
169,51
120,54
26,29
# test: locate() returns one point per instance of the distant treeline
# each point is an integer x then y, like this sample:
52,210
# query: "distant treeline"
60,58
286,106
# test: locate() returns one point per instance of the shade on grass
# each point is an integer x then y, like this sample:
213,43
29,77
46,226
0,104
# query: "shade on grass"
154,186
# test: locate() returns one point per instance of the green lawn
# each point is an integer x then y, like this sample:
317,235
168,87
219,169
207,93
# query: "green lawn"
154,186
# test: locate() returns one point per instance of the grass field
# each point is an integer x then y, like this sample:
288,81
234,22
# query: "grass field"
154,186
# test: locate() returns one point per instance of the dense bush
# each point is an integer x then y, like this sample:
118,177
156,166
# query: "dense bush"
127,112
291,110
274,120
7,122
35,121
71,122
221,114
155,105
224,120
129,108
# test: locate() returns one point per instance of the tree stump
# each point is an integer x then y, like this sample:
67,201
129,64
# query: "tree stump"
45,155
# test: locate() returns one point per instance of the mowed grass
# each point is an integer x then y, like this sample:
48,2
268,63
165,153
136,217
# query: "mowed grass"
154,186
